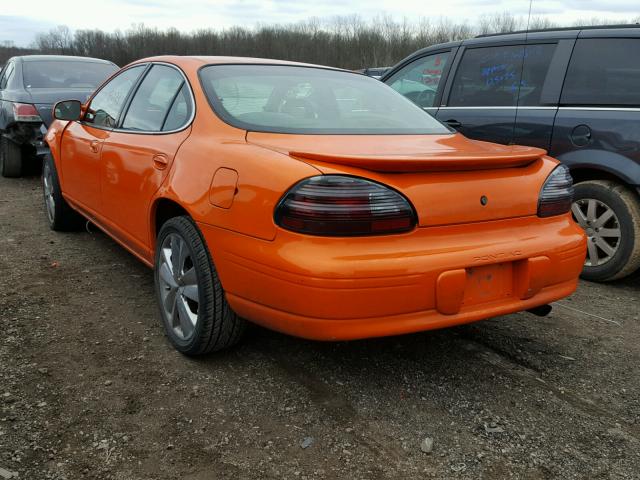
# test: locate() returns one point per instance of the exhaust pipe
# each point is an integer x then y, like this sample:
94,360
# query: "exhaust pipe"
541,311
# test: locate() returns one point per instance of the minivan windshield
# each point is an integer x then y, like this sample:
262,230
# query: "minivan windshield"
311,100
65,74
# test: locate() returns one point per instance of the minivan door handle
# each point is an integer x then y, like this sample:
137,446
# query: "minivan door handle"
453,123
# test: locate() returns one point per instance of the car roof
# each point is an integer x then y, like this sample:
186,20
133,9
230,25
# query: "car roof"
61,58
199,60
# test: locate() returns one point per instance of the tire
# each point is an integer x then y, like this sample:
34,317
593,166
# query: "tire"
60,216
620,207
10,158
197,321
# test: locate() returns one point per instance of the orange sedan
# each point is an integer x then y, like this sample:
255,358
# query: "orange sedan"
313,201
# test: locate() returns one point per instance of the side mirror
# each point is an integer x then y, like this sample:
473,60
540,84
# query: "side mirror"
67,110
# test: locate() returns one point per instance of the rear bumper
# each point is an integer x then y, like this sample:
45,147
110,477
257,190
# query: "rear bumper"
339,289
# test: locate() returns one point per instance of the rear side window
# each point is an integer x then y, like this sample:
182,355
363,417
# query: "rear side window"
65,74
603,72
108,102
154,99
419,80
180,111
493,76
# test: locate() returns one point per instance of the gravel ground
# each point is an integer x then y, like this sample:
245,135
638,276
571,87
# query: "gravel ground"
90,388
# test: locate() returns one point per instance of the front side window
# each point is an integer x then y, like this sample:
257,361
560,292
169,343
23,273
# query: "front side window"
154,99
108,102
65,74
603,72
292,99
419,80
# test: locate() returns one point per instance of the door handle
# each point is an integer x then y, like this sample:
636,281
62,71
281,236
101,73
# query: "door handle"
94,146
160,161
453,123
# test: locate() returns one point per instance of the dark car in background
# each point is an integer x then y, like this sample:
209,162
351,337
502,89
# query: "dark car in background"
29,87
574,92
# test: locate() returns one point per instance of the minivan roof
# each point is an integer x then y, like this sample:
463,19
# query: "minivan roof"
563,29
598,31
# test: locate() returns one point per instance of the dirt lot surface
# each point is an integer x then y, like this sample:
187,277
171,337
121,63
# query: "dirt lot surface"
90,388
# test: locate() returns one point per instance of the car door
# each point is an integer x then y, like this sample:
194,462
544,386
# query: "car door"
422,79
136,156
543,71
82,141
597,125
483,93
5,101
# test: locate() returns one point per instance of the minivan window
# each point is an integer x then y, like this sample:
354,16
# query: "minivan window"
537,60
603,72
493,76
153,100
419,80
310,100
65,74
108,102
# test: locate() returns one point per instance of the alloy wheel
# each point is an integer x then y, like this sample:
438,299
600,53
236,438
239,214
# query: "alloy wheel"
49,200
602,227
178,286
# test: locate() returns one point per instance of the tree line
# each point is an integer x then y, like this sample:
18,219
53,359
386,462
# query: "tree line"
346,42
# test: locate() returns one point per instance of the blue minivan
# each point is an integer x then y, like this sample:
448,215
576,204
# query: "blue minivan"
575,93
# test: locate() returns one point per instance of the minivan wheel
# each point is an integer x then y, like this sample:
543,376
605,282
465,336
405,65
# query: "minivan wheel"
60,216
610,215
10,158
194,310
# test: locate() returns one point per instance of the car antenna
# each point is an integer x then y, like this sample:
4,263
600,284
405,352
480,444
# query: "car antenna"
524,58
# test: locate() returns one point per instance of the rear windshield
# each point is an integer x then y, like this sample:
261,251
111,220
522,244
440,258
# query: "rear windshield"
307,100
61,74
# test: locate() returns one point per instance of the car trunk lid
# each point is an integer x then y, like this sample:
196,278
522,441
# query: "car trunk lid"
45,98
449,179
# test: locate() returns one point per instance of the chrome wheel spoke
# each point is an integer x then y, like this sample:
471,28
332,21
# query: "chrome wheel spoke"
189,277
176,255
187,325
579,215
605,247
166,276
170,301
166,259
591,210
191,292
602,219
593,259
610,232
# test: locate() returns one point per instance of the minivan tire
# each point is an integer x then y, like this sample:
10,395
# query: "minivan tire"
625,204
216,326
10,158
60,216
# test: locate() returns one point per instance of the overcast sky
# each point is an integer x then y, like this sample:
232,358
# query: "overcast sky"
21,20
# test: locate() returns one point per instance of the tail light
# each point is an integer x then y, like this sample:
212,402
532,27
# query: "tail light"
336,205
556,195
25,112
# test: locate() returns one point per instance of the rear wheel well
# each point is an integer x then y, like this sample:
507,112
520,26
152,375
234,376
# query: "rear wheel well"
585,174
164,210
